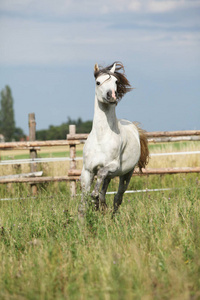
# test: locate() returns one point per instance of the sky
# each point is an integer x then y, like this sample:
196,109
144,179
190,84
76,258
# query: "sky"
48,50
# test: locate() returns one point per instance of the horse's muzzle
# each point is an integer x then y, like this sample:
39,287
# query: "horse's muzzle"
111,97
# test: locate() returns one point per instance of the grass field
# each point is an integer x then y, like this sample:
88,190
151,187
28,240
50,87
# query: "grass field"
150,250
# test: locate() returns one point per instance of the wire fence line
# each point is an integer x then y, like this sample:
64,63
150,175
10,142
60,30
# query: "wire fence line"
60,159
108,193
36,160
175,153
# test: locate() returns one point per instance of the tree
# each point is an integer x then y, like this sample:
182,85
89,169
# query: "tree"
19,134
7,121
59,132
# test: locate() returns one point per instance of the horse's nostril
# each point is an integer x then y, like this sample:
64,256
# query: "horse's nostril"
109,94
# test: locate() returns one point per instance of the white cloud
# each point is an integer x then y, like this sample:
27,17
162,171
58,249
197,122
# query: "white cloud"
162,6
91,7
158,6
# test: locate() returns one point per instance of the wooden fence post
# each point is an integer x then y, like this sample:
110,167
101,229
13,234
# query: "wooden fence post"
72,130
33,151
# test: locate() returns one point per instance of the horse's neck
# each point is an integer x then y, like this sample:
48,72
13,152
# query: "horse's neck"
105,119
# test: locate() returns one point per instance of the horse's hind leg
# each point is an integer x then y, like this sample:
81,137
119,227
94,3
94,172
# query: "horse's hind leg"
102,194
123,185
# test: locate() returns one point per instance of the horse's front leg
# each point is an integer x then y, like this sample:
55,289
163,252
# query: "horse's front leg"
86,181
103,175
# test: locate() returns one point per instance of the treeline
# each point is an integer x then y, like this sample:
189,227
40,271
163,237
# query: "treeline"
60,132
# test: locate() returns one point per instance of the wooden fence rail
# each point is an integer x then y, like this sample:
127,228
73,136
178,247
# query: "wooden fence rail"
153,134
160,171
80,139
75,175
74,139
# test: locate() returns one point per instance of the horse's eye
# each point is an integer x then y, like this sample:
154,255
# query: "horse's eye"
98,83
116,82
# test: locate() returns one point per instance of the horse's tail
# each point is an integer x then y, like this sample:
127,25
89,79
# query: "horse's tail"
144,156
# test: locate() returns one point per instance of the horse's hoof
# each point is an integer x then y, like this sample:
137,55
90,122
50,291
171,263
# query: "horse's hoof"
115,212
95,195
95,200
103,206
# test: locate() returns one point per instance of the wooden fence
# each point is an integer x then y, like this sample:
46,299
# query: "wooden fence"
74,139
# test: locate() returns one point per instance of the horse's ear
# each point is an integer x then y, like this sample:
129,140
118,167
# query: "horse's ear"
96,68
112,70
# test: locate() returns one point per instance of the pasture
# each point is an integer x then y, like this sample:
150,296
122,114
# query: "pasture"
150,250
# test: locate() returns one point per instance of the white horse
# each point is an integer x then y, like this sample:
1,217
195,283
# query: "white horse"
114,147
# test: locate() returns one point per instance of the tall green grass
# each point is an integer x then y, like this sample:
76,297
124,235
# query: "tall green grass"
150,250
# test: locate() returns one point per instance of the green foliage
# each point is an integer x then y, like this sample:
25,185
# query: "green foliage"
7,118
60,132
18,134
7,121
150,250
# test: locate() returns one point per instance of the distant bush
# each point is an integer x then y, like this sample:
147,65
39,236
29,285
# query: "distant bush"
60,132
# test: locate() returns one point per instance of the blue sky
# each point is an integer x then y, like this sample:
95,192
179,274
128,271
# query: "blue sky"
48,50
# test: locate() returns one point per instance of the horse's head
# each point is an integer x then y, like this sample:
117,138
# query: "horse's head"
111,85
106,86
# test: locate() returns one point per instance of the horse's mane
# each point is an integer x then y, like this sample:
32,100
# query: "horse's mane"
123,85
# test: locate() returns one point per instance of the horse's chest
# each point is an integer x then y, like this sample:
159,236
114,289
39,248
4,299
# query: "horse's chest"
100,153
